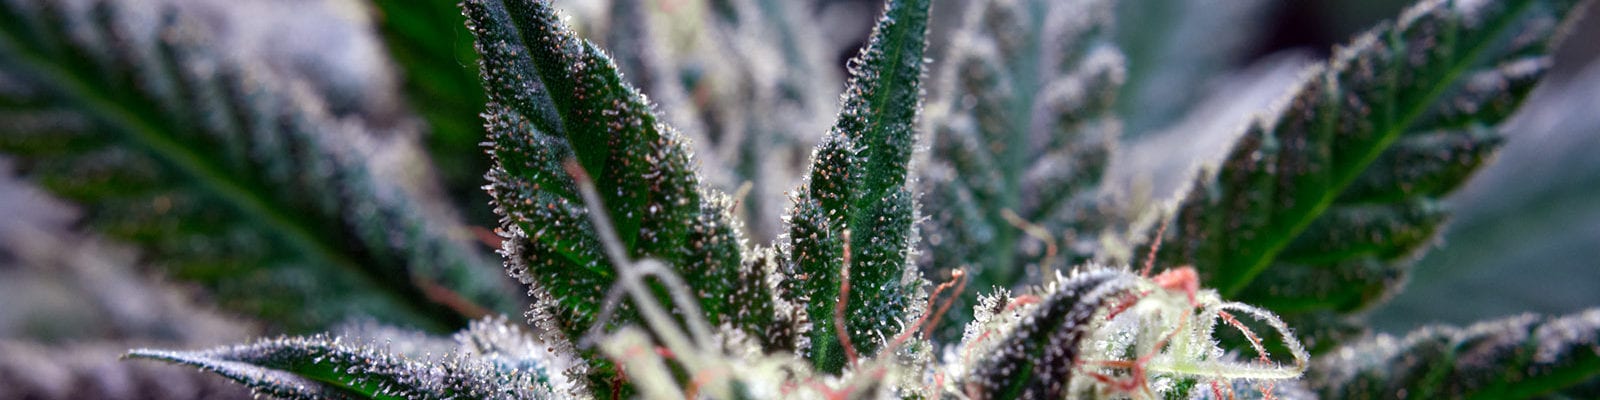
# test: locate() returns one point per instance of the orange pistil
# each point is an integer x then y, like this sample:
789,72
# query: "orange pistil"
839,328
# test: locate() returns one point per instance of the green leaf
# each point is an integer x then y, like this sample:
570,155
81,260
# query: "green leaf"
555,98
856,192
1530,240
1517,357
485,362
1322,206
749,81
1023,130
1587,390
228,176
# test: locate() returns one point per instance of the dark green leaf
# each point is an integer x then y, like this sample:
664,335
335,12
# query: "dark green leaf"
231,177
747,80
1512,358
1322,207
1521,234
1023,130
489,360
554,98
856,191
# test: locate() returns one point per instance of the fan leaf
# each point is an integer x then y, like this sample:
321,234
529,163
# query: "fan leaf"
857,192
1512,358
1023,129
555,99
229,176
747,80
484,363
1322,206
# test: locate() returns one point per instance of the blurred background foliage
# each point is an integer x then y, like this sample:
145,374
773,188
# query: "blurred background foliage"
1523,238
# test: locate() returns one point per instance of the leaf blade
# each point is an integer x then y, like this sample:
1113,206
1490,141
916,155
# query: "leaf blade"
1517,357
857,183
1342,142
185,133
555,98
1023,131
334,367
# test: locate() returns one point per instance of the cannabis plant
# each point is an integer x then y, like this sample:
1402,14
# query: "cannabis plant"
1002,262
